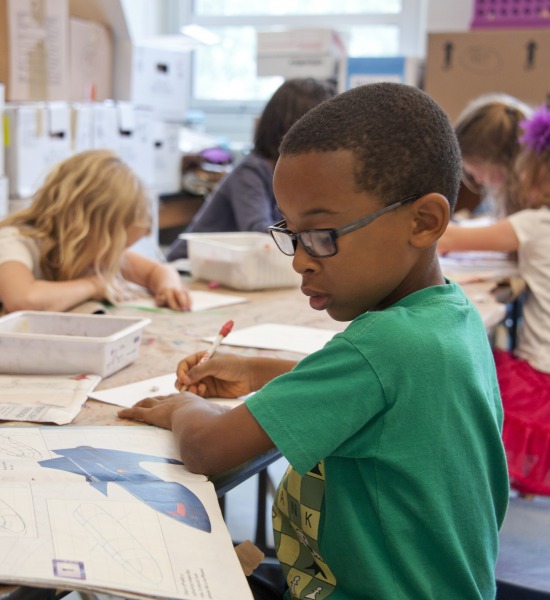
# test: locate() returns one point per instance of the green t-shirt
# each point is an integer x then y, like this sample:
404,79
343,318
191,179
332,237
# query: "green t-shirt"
398,481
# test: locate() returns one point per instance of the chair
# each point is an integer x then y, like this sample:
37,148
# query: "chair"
523,566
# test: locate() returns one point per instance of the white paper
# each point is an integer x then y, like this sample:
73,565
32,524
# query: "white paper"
128,395
111,509
199,301
44,398
271,336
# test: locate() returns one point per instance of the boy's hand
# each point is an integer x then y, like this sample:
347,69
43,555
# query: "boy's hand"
223,376
157,411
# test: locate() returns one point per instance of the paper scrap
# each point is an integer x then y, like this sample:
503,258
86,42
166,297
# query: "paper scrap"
200,300
44,398
271,336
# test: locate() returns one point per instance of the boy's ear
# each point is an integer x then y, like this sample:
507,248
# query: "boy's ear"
431,214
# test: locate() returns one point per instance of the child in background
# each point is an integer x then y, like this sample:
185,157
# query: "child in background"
488,133
71,244
244,200
524,375
397,482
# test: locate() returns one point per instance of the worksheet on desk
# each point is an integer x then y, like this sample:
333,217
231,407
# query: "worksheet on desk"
111,509
163,385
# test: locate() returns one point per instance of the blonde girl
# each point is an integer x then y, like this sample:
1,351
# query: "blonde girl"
488,133
71,244
524,375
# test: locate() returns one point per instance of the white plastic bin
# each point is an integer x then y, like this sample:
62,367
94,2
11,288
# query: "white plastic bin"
43,343
243,261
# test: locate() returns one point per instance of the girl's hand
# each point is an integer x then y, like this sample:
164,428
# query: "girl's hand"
175,297
100,291
222,376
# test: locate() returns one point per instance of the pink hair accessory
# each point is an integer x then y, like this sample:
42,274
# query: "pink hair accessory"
536,131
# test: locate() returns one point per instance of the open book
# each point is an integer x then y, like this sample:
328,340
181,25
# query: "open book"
111,509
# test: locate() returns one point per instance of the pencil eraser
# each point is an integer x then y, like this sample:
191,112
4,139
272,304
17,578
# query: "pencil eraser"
227,328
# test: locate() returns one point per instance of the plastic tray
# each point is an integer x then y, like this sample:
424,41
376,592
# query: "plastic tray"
42,343
243,261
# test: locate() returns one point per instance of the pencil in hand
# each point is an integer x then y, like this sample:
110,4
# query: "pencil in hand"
215,344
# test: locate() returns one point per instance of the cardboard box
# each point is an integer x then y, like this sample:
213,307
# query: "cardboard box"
38,136
91,60
371,69
318,53
34,39
462,66
150,73
2,138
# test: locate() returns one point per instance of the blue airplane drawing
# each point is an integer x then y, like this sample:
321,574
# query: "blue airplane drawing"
101,466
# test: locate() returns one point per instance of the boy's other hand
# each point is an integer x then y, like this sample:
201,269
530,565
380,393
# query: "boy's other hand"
155,411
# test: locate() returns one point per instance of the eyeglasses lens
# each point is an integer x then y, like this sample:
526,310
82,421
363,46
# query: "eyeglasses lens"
286,244
318,243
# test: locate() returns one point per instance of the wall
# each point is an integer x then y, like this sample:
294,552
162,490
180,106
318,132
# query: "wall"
449,15
145,17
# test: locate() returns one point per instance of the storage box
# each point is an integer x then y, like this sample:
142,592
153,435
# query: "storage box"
318,53
167,157
372,69
34,44
4,206
43,343
91,60
243,261
463,66
37,137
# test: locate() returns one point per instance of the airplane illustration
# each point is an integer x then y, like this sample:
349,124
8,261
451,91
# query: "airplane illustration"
101,466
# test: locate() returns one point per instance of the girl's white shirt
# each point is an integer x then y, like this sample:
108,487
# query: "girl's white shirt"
15,246
532,228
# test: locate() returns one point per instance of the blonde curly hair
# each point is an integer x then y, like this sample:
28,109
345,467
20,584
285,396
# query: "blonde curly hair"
80,215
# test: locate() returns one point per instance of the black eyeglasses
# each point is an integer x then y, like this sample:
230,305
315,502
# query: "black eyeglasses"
321,243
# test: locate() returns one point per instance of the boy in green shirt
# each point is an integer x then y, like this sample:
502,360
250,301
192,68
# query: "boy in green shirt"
397,483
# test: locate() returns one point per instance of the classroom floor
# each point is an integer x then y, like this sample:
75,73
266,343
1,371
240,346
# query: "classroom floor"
240,516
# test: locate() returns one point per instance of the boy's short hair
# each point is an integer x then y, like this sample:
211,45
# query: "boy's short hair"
402,140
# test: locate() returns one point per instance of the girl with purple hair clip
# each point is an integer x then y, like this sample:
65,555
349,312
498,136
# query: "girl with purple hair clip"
524,374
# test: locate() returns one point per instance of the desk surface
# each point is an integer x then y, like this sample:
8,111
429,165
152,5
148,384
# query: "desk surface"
172,336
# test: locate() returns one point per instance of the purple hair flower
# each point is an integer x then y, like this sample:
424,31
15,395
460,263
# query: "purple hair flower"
536,131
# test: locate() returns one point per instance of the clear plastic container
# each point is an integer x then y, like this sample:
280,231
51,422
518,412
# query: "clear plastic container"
243,261
41,342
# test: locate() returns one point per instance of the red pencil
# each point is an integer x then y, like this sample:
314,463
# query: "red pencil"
223,332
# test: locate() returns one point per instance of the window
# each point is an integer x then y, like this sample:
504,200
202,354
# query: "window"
223,76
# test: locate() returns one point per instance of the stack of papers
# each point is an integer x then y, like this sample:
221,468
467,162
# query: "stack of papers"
44,398
469,267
